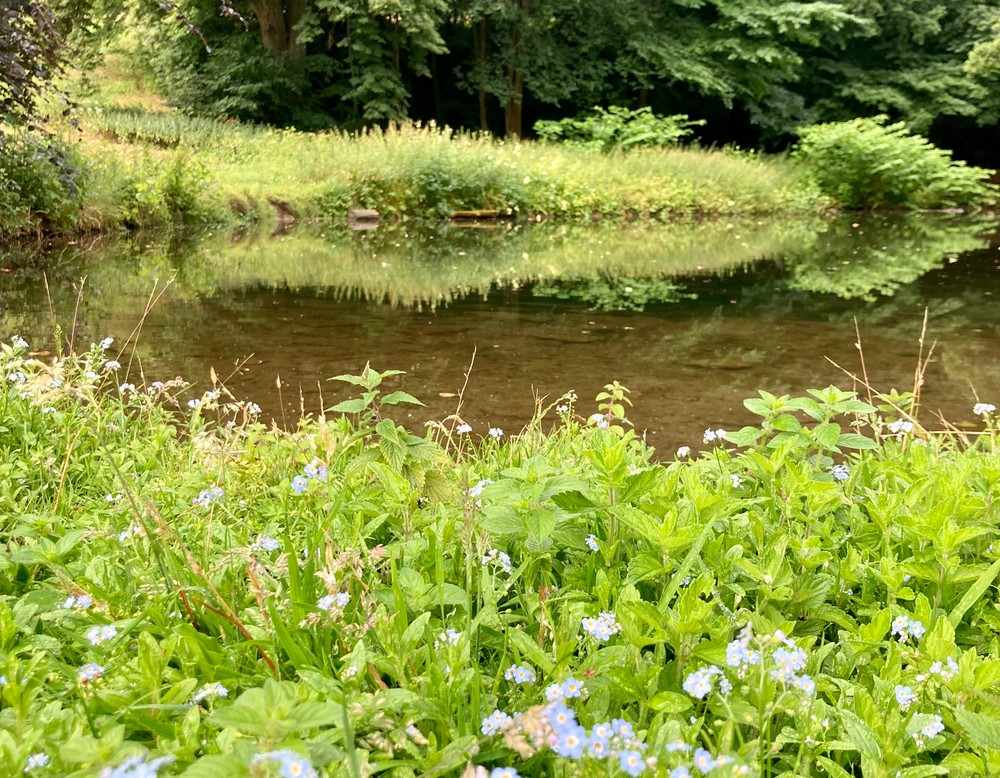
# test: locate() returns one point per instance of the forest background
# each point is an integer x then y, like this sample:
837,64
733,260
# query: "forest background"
754,70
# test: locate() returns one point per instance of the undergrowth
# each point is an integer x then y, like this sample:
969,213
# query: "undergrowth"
184,590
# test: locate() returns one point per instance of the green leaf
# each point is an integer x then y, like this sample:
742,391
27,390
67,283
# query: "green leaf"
396,398
832,769
670,702
217,766
856,441
827,434
982,730
356,405
861,735
974,592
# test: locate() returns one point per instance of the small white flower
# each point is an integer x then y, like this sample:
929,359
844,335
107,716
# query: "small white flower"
496,432
112,364
106,344
981,409
463,429
737,481
683,452
194,404
591,542
19,343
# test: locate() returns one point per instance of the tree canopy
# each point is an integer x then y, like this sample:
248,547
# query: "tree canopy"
768,66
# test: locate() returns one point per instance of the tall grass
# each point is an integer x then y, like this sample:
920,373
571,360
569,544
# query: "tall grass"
420,171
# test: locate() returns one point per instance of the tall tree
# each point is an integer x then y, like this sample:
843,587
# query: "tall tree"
30,57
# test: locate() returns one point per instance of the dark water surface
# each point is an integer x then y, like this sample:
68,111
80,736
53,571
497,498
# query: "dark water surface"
692,318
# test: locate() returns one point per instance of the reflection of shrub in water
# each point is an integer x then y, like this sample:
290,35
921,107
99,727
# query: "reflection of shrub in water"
614,294
863,262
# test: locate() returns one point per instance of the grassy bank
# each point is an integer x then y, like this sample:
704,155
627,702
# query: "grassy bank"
185,588
136,163
427,171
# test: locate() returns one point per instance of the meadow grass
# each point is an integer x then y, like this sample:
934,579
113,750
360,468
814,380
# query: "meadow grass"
185,591
425,171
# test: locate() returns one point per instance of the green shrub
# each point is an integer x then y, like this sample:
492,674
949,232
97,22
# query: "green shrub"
868,163
618,128
39,183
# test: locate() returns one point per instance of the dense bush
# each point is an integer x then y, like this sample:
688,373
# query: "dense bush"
185,590
40,181
868,163
618,128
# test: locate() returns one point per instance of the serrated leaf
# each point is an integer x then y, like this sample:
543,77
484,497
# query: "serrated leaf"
855,441
982,730
396,398
356,405
828,434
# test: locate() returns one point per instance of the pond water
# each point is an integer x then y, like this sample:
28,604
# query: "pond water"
693,318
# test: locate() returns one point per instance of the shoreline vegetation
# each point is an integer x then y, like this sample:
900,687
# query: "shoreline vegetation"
185,591
124,162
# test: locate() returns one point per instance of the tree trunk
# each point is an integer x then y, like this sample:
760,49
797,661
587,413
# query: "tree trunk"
513,109
296,9
278,20
479,44
271,18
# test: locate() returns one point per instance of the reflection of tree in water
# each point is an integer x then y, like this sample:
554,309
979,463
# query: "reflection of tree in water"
605,293
870,260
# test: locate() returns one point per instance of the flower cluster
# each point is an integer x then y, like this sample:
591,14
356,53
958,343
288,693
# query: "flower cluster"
334,604
566,690
495,722
316,469
207,496
496,433
905,628
136,767
787,659
499,558
900,428
36,760
931,729
78,602
983,409
267,544
89,673
904,696
840,472
209,690
477,490
291,763
699,683
449,637
946,671
713,435
520,674
603,627
98,635
591,541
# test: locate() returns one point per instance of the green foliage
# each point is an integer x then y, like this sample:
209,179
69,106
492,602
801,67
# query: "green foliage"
352,596
618,128
869,163
40,183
